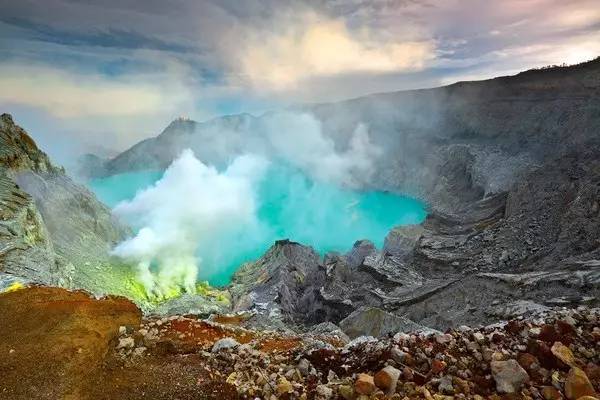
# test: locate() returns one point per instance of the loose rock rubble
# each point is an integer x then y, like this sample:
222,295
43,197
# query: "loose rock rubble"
555,355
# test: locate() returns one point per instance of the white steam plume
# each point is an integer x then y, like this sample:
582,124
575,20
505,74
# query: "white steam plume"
191,202
299,139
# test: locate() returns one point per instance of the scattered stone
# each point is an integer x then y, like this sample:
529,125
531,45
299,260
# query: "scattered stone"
364,384
509,375
528,361
126,343
445,385
139,351
478,337
563,353
304,367
437,366
324,392
461,385
387,378
443,338
535,332
490,362
397,354
408,374
346,391
593,372
551,393
578,385
224,344
284,386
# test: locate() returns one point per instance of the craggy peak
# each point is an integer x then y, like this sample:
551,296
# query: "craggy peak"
301,200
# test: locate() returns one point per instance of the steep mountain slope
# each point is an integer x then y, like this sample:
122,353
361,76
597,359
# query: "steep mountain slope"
53,231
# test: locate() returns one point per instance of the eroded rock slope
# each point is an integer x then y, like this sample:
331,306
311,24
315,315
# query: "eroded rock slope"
53,230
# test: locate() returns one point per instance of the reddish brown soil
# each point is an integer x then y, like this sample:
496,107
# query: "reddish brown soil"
53,340
158,377
230,319
58,344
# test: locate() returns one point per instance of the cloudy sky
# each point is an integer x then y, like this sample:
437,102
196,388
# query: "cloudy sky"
105,74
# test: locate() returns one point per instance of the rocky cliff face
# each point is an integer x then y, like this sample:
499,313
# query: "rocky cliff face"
510,169
54,231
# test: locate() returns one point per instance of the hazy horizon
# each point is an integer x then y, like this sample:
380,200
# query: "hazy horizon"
99,76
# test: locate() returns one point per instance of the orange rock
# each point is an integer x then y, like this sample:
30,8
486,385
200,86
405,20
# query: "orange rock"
437,366
578,385
563,353
408,374
364,384
551,393
527,361
387,378
409,360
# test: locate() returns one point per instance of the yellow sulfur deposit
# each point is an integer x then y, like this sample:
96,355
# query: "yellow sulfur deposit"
13,287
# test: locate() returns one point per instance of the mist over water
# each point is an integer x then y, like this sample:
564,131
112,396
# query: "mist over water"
280,177
117,188
283,203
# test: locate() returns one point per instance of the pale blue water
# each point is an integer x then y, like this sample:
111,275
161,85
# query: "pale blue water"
116,188
290,206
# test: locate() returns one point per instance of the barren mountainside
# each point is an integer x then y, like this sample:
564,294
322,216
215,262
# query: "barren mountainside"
495,295
54,231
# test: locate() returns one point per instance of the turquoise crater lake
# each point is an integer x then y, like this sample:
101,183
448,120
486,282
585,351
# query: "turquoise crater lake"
292,206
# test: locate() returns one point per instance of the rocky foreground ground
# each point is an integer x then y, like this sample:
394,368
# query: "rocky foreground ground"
58,344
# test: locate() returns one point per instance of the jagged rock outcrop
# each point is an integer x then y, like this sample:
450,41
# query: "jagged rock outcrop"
54,231
26,249
370,321
279,286
18,151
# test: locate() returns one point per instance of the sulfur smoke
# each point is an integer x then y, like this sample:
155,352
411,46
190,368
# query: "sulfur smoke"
299,139
196,209
191,203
